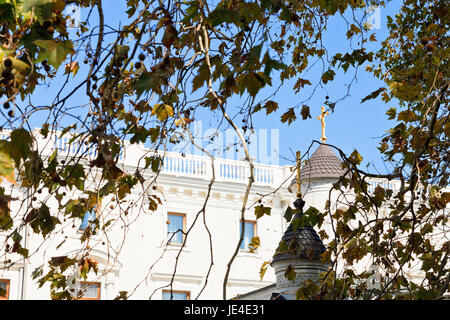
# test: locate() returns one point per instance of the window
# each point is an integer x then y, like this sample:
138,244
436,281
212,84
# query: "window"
4,289
249,233
91,290
176,226
176,295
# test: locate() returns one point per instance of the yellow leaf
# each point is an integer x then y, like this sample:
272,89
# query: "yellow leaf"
162,111
263,269
20,66
7,167
72,67
182,122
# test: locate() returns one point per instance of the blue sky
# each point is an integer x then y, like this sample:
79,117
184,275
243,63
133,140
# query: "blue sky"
352,125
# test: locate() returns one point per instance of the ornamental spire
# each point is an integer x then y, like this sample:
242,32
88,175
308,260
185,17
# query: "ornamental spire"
299,183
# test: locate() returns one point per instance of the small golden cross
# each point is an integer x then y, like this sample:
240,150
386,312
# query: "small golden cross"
322,120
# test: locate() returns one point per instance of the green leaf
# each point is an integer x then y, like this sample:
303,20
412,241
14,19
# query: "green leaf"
41,9
355,157
305,112
155,162
107,189
289,116
290,273
328,76
6,11
55,52
44,223
288,214
407,116
44,130
67,129
148,81
22,141
300,84
271,64
270,106
373,95
352,31
75,176
122,295
250,81
6,221
201,78
222,15
22,251
314,217
392,112
254,55
261,211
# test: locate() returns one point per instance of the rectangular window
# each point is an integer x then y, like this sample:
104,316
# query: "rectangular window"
249,233
4,289
91,290
176,226
176,295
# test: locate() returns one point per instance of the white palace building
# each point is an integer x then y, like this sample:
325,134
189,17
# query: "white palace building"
141,249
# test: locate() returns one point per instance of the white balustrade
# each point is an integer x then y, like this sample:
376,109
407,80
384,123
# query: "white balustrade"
175,164
393,185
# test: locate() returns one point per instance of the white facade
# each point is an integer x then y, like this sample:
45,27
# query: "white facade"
134,255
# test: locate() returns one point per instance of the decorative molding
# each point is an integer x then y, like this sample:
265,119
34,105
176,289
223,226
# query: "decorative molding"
178,277
247,282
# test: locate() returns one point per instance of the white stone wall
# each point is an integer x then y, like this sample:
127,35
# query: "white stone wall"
130,257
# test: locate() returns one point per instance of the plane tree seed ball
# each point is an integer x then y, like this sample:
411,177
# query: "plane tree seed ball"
7,63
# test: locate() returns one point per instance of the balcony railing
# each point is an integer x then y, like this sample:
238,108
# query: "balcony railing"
175,164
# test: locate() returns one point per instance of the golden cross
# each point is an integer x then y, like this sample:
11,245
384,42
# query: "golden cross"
299,183
322,120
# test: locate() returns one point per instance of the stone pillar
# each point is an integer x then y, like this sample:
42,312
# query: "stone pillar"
304,270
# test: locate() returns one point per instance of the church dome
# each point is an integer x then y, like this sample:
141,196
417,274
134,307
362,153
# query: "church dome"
304,243
299,242
323,164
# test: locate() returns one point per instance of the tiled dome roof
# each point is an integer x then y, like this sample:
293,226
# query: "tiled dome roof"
308,245
303,242
323,164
